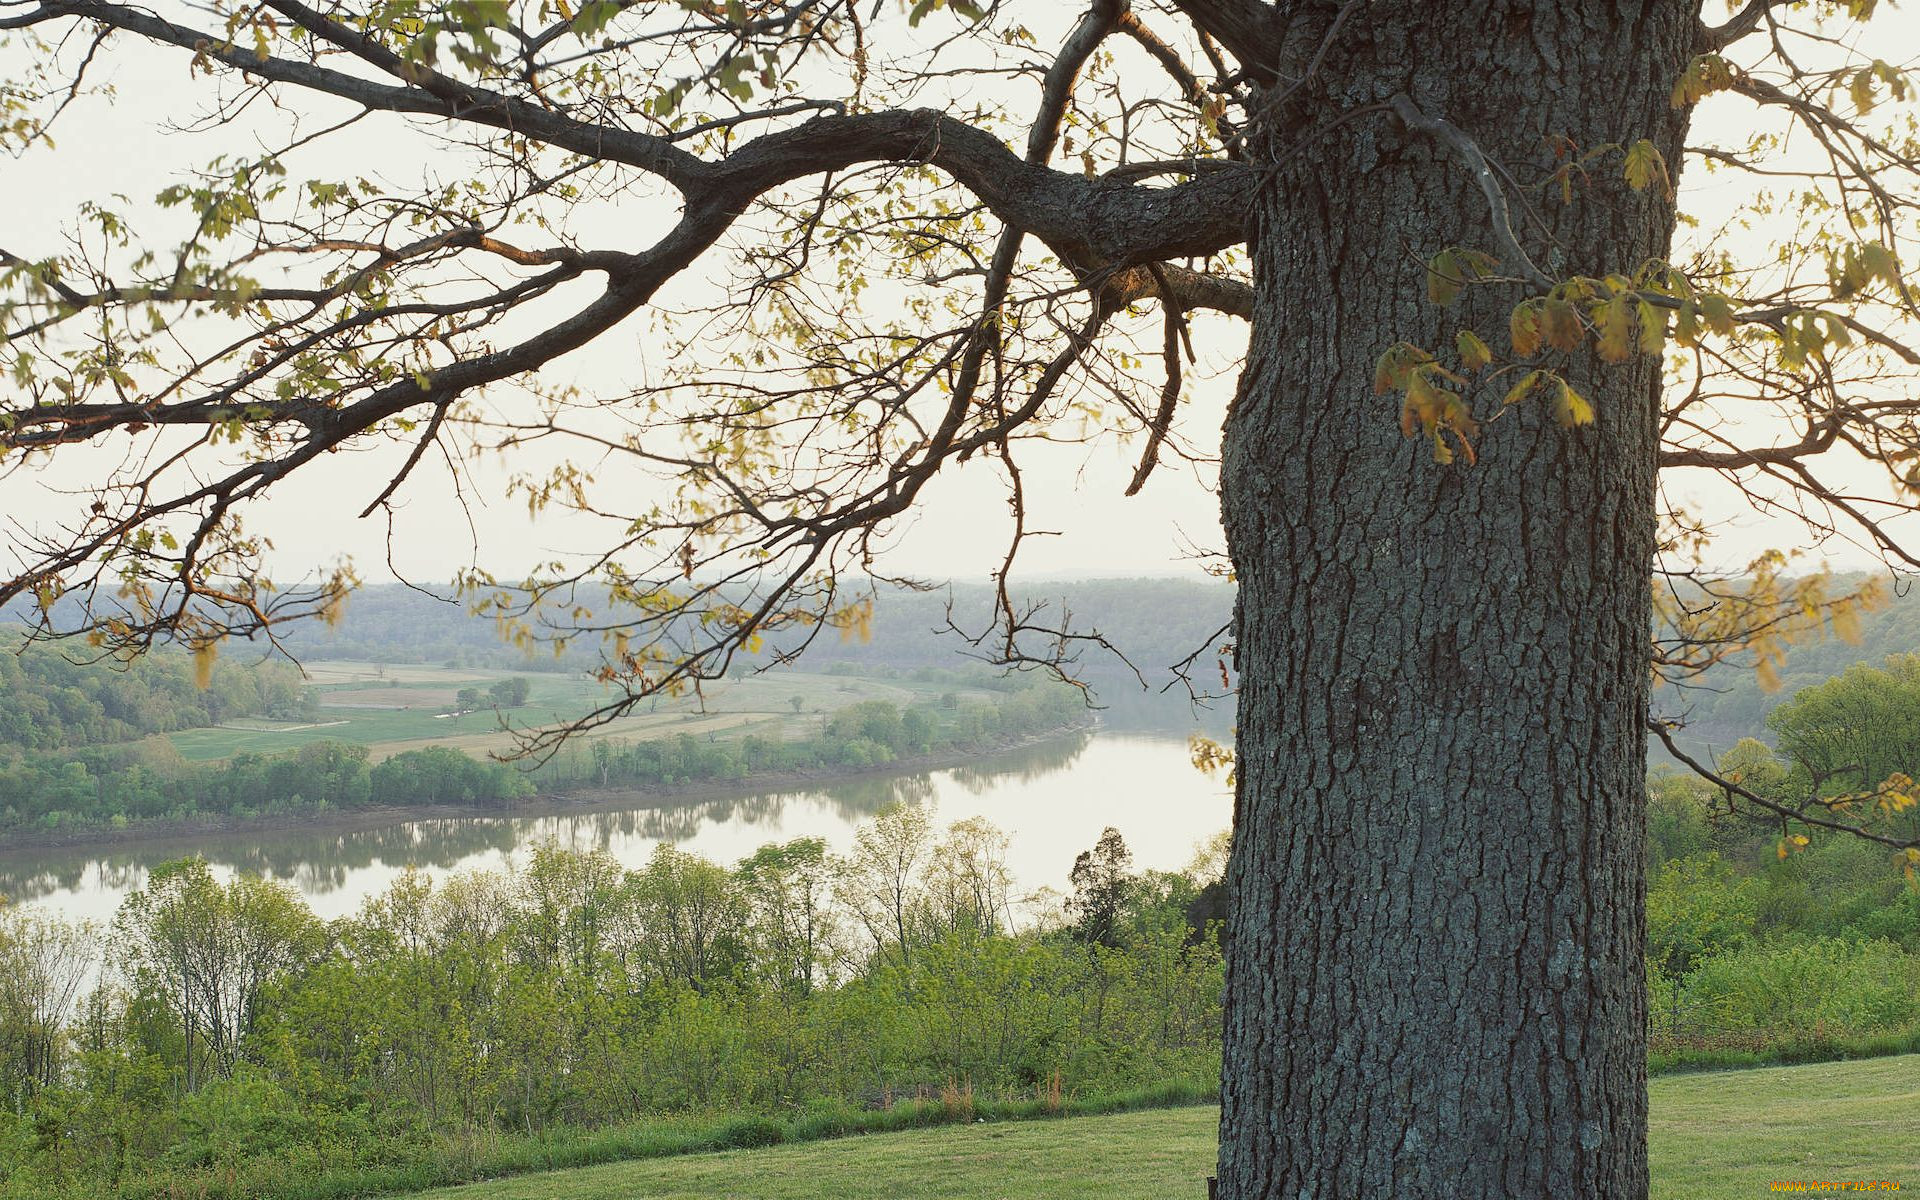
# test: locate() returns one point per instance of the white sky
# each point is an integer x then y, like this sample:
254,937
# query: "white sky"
109,147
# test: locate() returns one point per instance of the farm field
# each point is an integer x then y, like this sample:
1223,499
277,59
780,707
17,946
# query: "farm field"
394,708
1717,1136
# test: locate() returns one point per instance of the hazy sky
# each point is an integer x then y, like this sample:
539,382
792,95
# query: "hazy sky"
109,147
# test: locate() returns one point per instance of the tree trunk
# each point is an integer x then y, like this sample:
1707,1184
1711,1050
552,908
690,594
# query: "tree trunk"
1435,980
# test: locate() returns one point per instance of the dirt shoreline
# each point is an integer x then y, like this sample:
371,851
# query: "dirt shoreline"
573,801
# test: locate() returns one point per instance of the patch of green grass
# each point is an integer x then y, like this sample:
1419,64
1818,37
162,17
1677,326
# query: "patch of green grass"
1715,1137
414,698
364,727
1727,1135
1144,1154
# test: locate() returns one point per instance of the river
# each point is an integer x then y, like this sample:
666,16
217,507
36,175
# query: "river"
1054,798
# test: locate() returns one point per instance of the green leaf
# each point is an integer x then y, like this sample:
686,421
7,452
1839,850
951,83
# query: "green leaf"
1718,312
1444,277
593,17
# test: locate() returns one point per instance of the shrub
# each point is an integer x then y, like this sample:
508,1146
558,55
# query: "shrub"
1828,986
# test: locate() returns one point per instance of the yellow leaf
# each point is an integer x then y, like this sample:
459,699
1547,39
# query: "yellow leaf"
1518,391
1211,111
1614,320
1860,90
1646,166
1653,328
1705,75
203,656
1718,311
1391,371
1846,622
1686,325
1423,405
1524,327
1474,353
1570,408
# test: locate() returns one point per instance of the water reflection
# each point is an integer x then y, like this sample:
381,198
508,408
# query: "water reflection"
1054,796
315,861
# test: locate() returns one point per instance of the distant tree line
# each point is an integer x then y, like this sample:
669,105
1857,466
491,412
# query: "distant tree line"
121,786
48,702
868,734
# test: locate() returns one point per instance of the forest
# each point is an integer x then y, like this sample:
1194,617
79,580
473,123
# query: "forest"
51,701
218,1040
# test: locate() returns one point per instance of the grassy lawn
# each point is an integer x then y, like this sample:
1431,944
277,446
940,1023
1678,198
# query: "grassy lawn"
1727,1134
1715,1137
1150,1155
395,708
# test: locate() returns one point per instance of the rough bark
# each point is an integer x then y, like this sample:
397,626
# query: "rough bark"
1434,980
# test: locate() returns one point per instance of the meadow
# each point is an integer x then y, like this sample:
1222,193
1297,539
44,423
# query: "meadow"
393,708
1715,1136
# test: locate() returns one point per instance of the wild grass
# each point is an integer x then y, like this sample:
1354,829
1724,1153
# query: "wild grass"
1153,1155
1760,1048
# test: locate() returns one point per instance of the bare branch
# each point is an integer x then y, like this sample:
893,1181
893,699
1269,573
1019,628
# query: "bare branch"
1476,161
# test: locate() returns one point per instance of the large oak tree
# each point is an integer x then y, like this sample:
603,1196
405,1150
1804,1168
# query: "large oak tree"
885,241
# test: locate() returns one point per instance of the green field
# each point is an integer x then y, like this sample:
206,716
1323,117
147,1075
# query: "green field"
392,708
1717,1136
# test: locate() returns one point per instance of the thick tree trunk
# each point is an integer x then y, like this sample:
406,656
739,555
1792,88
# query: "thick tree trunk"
1435,982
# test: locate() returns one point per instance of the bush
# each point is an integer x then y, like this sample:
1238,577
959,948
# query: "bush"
1828,986
1697,909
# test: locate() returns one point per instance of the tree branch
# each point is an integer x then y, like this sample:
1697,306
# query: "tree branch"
1470,153
461,102
1247,28
1664,731
1742,23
